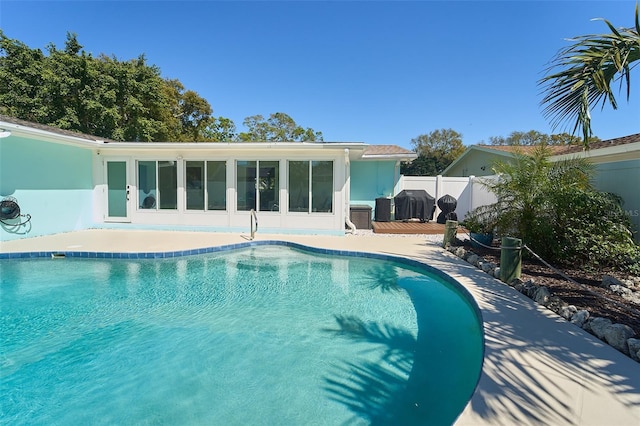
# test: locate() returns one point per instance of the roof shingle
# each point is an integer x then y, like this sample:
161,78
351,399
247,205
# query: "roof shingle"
387,150
566,149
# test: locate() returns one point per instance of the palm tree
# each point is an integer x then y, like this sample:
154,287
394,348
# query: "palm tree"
580,76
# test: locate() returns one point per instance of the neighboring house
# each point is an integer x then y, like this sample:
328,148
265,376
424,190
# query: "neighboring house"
69,181
617,163
478,160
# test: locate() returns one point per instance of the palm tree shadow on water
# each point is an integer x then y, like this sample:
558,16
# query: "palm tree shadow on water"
383,278
389,390
374,390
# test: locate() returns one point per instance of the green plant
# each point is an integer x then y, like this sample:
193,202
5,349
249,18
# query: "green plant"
479,221
556,211
592,228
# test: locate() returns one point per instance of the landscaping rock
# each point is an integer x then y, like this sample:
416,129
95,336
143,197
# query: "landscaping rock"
488,267
541,295
617,335
599,326
630,283
634,349
517,281
523,287
468,254
567,312
621,290
633,297
608,280
529,289
580,318
555,304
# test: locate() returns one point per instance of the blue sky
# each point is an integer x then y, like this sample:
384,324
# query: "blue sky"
379,72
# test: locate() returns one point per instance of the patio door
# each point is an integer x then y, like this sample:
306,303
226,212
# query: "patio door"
118,191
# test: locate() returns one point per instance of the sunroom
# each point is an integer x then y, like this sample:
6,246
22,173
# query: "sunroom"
291,186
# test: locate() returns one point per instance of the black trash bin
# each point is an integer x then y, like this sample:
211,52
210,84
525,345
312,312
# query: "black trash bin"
383,209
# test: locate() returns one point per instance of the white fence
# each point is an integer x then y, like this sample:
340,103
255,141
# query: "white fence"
469,191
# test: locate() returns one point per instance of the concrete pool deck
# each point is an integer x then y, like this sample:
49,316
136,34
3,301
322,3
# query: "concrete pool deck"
538,368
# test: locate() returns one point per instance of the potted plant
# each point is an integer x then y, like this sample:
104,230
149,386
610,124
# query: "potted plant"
480,227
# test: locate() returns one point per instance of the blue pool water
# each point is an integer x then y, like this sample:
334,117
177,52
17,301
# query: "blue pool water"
262,335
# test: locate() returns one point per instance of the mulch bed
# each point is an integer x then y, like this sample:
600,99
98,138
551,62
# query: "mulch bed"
621,312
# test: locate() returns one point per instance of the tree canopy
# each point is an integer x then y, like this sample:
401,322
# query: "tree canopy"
279,127
119,100
436,151
103,96
533,138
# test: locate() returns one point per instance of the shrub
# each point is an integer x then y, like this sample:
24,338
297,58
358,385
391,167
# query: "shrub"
556,211
591,227
479,221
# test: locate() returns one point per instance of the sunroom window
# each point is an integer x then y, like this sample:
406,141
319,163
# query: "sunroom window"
206,184
311,186
158,185
258,184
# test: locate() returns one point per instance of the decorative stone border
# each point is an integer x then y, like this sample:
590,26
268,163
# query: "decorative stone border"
619,336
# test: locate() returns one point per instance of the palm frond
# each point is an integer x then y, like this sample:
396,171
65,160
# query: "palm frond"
581,75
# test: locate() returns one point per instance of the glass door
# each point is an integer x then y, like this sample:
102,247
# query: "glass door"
117,191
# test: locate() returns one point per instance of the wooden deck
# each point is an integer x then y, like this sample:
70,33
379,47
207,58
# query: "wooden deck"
399,227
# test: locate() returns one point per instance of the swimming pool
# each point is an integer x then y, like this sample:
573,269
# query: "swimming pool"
259,335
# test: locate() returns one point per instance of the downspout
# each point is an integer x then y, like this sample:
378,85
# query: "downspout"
347,192
396,179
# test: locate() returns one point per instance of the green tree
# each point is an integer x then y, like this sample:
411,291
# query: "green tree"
436,151
139,101
188,115
76,91
533,138
103,96
424,165
220,129
581,75
569,139
279,127
21,71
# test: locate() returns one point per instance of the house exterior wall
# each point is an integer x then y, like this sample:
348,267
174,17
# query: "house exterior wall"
478,164
68,181
622,178
52,182
63,184
232,219
371,180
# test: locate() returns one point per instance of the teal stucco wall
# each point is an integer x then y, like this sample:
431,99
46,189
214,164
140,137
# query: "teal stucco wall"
52,182
622,178
371,180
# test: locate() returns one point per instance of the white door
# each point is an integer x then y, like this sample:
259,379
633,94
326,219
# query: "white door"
118,191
